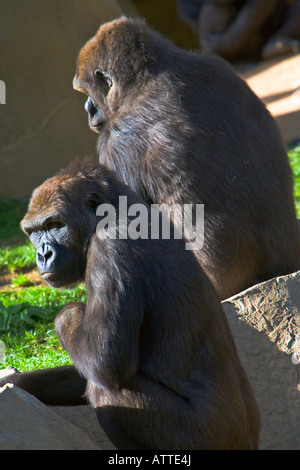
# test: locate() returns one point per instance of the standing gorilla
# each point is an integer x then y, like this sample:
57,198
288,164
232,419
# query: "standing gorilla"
152,341
179,127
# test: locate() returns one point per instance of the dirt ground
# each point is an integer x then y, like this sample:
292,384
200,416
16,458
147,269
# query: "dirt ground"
277,83
33,276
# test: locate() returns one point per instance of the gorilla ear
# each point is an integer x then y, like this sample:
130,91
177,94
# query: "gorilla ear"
93,201
127,48
103,78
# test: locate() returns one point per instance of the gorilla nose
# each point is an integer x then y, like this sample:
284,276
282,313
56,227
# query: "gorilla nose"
45,256
77,85
96,115
90,107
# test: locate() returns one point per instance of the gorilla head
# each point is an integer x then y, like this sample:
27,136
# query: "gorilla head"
60,221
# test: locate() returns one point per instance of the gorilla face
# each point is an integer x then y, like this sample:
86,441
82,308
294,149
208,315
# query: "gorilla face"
97,92
96,116
110,68
60,222
56,253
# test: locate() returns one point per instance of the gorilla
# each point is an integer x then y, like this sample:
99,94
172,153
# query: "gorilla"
152,344
181,127
243,29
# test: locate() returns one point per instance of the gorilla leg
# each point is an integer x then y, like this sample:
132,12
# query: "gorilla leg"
181,420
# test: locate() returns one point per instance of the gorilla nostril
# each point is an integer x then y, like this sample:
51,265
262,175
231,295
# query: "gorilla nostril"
48,255
90,107
44,257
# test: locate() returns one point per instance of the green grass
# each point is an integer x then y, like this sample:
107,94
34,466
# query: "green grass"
16,252
11,213
21,281
294,155
27,326
17,258
27,313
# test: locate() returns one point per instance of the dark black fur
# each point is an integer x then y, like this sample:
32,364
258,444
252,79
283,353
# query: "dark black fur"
152,341
182,127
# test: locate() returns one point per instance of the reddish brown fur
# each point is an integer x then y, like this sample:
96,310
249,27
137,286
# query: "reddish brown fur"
43,197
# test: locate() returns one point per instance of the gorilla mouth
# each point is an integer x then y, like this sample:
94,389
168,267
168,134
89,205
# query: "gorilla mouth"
61,277
47,275
51,278
56,281
96,116
97,127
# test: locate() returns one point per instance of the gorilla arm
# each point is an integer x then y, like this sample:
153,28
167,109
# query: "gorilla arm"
61,386
102,337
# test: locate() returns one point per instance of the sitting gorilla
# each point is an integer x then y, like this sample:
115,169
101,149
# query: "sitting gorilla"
152,341
238,29
181,127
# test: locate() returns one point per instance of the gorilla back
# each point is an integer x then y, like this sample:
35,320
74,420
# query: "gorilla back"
183,127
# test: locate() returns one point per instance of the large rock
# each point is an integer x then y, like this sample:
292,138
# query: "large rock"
27,424
265,322
85,418
43,124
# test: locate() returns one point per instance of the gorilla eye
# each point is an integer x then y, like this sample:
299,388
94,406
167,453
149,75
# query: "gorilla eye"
54,225
29,231
104,76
